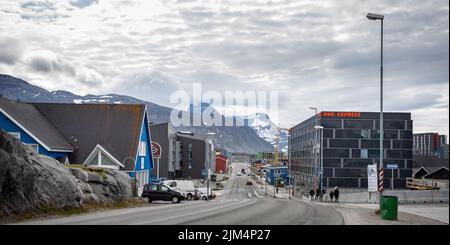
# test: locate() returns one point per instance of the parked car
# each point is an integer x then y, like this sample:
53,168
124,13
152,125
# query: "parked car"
185,187
239,174
249,182
203,193
161,192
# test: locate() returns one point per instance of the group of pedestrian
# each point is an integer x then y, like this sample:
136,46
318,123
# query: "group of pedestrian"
316,195
334,194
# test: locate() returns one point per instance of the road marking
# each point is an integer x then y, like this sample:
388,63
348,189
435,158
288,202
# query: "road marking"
256,194
191,213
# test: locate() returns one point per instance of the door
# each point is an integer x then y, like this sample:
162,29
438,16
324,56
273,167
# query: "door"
165,192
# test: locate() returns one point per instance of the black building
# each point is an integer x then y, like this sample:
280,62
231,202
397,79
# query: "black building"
184,154
350,143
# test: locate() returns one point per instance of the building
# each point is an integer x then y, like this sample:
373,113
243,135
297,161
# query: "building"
196,155
279,173
112,136
269,157
425,165
165,135
426,144
350,143
183,154
222,164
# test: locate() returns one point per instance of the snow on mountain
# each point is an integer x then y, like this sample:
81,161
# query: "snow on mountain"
267,130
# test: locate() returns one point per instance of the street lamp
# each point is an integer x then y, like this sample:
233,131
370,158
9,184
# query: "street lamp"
371,16
320,128
208,167
317,127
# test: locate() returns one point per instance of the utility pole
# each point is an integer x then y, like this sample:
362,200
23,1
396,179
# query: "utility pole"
371,16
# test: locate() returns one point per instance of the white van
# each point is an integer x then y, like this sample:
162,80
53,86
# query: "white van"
185,187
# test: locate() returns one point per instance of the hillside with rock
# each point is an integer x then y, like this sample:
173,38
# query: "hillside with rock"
30,182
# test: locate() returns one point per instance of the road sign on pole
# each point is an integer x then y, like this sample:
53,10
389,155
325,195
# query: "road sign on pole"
392,166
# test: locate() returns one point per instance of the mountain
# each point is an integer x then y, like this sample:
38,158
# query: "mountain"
267,130
232,139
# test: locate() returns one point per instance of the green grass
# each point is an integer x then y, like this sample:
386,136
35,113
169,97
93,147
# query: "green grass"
100,171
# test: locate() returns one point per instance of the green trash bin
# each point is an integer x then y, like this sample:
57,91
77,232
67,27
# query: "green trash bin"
389,208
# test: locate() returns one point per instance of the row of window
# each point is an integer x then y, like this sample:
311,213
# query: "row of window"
350,163
308,126
351,134
353,143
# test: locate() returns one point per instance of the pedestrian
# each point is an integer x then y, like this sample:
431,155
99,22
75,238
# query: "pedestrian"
277,190
336,194
311,193
317,194
331,195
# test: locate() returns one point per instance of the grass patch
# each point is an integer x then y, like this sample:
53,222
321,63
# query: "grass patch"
100,171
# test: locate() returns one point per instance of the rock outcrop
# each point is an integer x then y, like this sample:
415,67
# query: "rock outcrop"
33,182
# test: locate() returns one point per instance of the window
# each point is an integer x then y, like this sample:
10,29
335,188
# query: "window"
142,148
164,188
364,153
343,143
331,123
34,146
142,162
15,134
358,124
154,187
349,133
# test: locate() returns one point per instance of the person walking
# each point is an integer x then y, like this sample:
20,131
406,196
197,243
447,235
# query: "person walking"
311,194
336,194
331,195
317,194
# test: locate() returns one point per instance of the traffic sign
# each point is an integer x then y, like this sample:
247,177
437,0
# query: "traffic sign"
392,165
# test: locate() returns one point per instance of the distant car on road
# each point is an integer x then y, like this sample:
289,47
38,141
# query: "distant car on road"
239,174
161,192
249,182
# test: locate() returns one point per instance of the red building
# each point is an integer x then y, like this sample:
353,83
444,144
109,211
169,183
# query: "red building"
221,164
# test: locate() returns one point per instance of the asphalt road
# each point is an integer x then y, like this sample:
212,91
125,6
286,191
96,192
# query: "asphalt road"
239,204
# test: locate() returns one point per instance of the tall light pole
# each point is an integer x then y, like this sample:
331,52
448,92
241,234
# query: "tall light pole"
320,144
371,16
207,168
320,128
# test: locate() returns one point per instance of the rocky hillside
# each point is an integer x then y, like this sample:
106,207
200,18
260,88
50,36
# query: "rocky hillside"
31,182
233,139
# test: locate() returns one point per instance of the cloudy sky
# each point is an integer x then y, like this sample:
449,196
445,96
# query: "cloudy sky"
313,52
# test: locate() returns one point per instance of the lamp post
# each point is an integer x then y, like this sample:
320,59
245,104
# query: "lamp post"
371,16
208,168
320,128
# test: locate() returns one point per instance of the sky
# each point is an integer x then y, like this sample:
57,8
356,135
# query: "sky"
317,53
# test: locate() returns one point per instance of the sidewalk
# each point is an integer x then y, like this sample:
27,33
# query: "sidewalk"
438,212
364,214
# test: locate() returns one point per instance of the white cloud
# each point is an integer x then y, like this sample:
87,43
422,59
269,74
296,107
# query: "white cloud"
315,53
